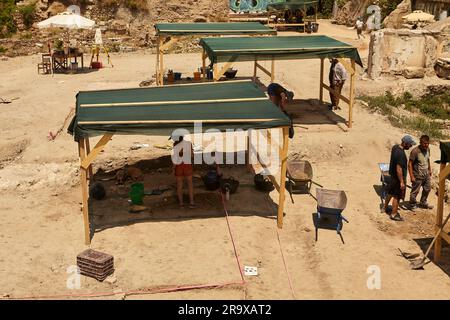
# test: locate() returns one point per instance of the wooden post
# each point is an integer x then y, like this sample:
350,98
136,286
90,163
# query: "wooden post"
161,63
215,72
283,156
321,79
255,69
272,70
204,64
352,94
84,193
157,60
88,150
439,213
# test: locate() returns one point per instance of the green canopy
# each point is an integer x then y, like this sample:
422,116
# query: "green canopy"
216,28
292,5
160,110
268,48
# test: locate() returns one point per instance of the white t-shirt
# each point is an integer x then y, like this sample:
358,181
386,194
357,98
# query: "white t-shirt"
359,24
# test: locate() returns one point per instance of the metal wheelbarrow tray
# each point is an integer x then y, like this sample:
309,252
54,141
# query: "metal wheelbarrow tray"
331,203
300,175
385,179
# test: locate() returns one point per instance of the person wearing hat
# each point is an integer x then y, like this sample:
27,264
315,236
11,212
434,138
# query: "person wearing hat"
419,167
279,96
398,171
182,167
337,76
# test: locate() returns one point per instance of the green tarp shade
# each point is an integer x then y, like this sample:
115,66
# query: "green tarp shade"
217,28
292,5
445,151
163,109
280,48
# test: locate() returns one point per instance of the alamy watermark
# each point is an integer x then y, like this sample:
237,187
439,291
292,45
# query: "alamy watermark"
374,279
260,148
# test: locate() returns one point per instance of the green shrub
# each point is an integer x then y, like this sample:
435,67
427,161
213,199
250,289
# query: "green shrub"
432,106
28,13
7,25
2,49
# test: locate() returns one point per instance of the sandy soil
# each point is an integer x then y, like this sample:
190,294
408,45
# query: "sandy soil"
41,226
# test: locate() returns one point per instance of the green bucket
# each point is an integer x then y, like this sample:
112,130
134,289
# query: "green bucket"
137,193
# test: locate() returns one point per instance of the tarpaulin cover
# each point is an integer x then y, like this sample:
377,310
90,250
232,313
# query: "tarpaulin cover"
292,5
213,28
278,48
160,110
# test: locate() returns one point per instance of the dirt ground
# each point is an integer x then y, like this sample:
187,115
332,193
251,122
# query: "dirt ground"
41,225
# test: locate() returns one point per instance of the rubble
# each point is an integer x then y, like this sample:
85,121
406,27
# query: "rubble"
134,28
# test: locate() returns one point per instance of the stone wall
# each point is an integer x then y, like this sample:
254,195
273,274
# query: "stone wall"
411,53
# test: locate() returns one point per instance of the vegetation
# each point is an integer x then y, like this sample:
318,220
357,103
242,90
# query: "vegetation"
28,13
427,109
7,25
134,5
2,49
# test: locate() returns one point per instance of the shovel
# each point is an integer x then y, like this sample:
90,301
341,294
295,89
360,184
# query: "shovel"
419,263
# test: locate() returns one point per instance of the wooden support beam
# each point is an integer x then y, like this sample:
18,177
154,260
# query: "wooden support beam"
350,67
283,158
260,67
272,70
84,193
345,99
444,173
322,60
86,162
204,64
445,236
166,46
352,95
157,60
163,103
88,150
160,80
224,68
440,210
255,69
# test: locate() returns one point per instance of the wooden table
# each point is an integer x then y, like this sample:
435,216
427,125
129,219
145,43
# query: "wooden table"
63,61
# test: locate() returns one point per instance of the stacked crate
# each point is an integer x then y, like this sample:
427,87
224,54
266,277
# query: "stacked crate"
95,264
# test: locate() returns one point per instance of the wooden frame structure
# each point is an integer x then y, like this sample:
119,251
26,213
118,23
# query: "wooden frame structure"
87,157
303,24
167,41
444,172
243,106
350,66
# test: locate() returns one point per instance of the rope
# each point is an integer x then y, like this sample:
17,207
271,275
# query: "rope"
232,238
285,267
126,293
282,255
154,290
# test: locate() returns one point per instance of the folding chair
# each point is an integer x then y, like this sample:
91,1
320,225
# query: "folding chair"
46,64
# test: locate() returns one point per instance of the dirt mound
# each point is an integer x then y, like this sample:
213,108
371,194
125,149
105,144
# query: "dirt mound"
12,151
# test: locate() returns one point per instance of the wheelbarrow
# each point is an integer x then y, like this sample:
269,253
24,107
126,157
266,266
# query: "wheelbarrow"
299,174
330,204
385,179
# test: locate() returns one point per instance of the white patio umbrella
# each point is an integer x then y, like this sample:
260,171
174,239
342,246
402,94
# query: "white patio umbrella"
67,20
418,16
